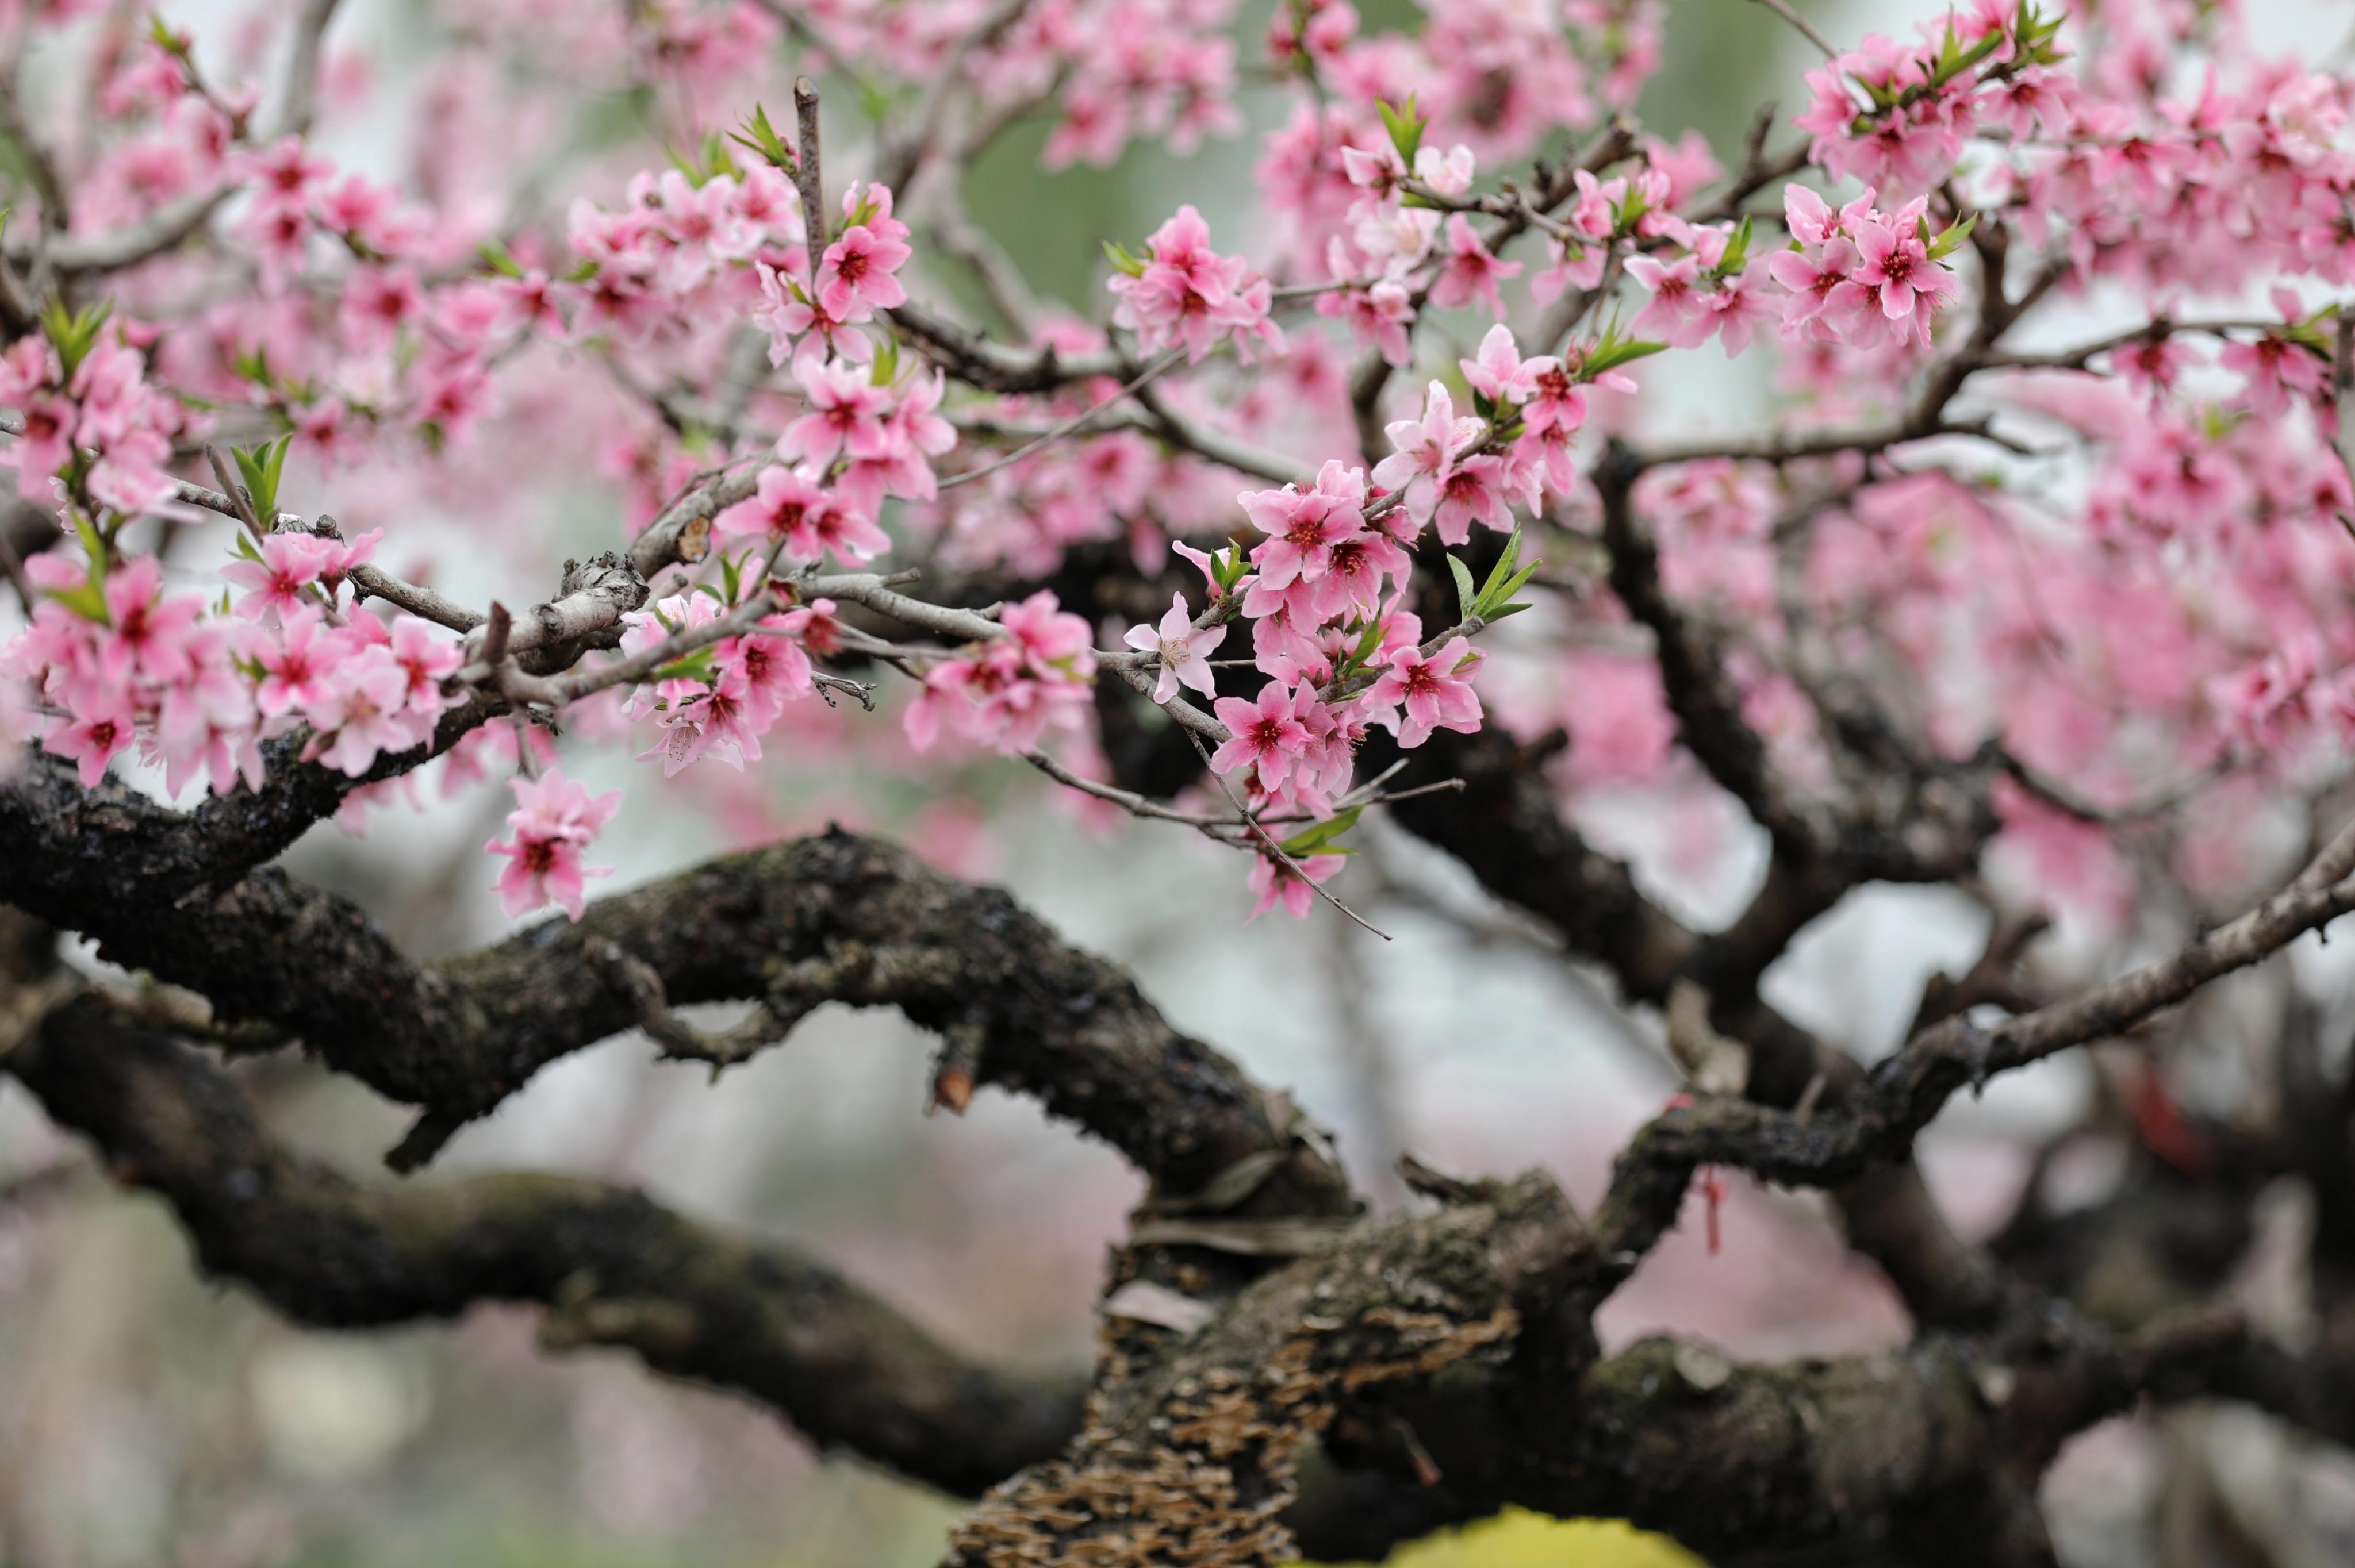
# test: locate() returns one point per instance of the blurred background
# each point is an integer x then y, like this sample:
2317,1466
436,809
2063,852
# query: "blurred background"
147,1417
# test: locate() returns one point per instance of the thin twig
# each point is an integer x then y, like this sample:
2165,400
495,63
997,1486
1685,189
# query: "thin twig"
303,69
808,179
1781,8
1266,842
1068,426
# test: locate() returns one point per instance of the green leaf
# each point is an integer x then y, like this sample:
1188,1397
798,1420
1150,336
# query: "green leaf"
1611,356
1504,582
760,136
1317,837
88,600
716,158
172,44
253,365
887,362
1117,254
1405,127
499,259
1944,245
1466,594
1504,567
696,666
731,572
73,336
259,468
1737,251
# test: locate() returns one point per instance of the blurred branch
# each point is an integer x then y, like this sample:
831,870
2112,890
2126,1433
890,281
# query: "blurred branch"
612,1266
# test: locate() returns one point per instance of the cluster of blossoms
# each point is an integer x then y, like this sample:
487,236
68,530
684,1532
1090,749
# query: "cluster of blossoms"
1009,691
182,155
1495,77
676,251
1326,590
94,423
1858,277
359,316
720,702
120,662
1897,115
1187,294
294,198
1394,251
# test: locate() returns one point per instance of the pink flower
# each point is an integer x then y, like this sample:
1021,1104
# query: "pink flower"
290,563
765,673
1894,262
847,414
1499,374
1183,648
1679,313
1305,524
2270,700
1377,314
294,664
151,635
365,712
788,505
93,736
553,823
1009,691
855,280
1436,690
1425,454
426,660
1189,295
1267,734
2279,371
1470,272
1473,491
1276,882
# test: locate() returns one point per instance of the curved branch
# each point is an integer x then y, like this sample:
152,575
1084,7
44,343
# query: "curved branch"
831,918
96,859
612,1266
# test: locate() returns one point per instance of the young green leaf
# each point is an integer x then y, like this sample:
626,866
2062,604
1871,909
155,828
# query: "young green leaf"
74,335
760,136
259,468
1117,254
499,259
1466,594
1405,127
1317,837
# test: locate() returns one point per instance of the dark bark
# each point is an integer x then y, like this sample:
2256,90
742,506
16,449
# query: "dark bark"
612,1266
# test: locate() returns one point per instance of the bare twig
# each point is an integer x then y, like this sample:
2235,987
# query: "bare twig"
374,582
1264,843
1072,426
301,103
1806,30
808,178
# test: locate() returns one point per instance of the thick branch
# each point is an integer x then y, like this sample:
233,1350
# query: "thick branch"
100,859
612,1266
832,918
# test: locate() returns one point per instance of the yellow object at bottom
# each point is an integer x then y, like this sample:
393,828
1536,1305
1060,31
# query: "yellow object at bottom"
1519,1539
